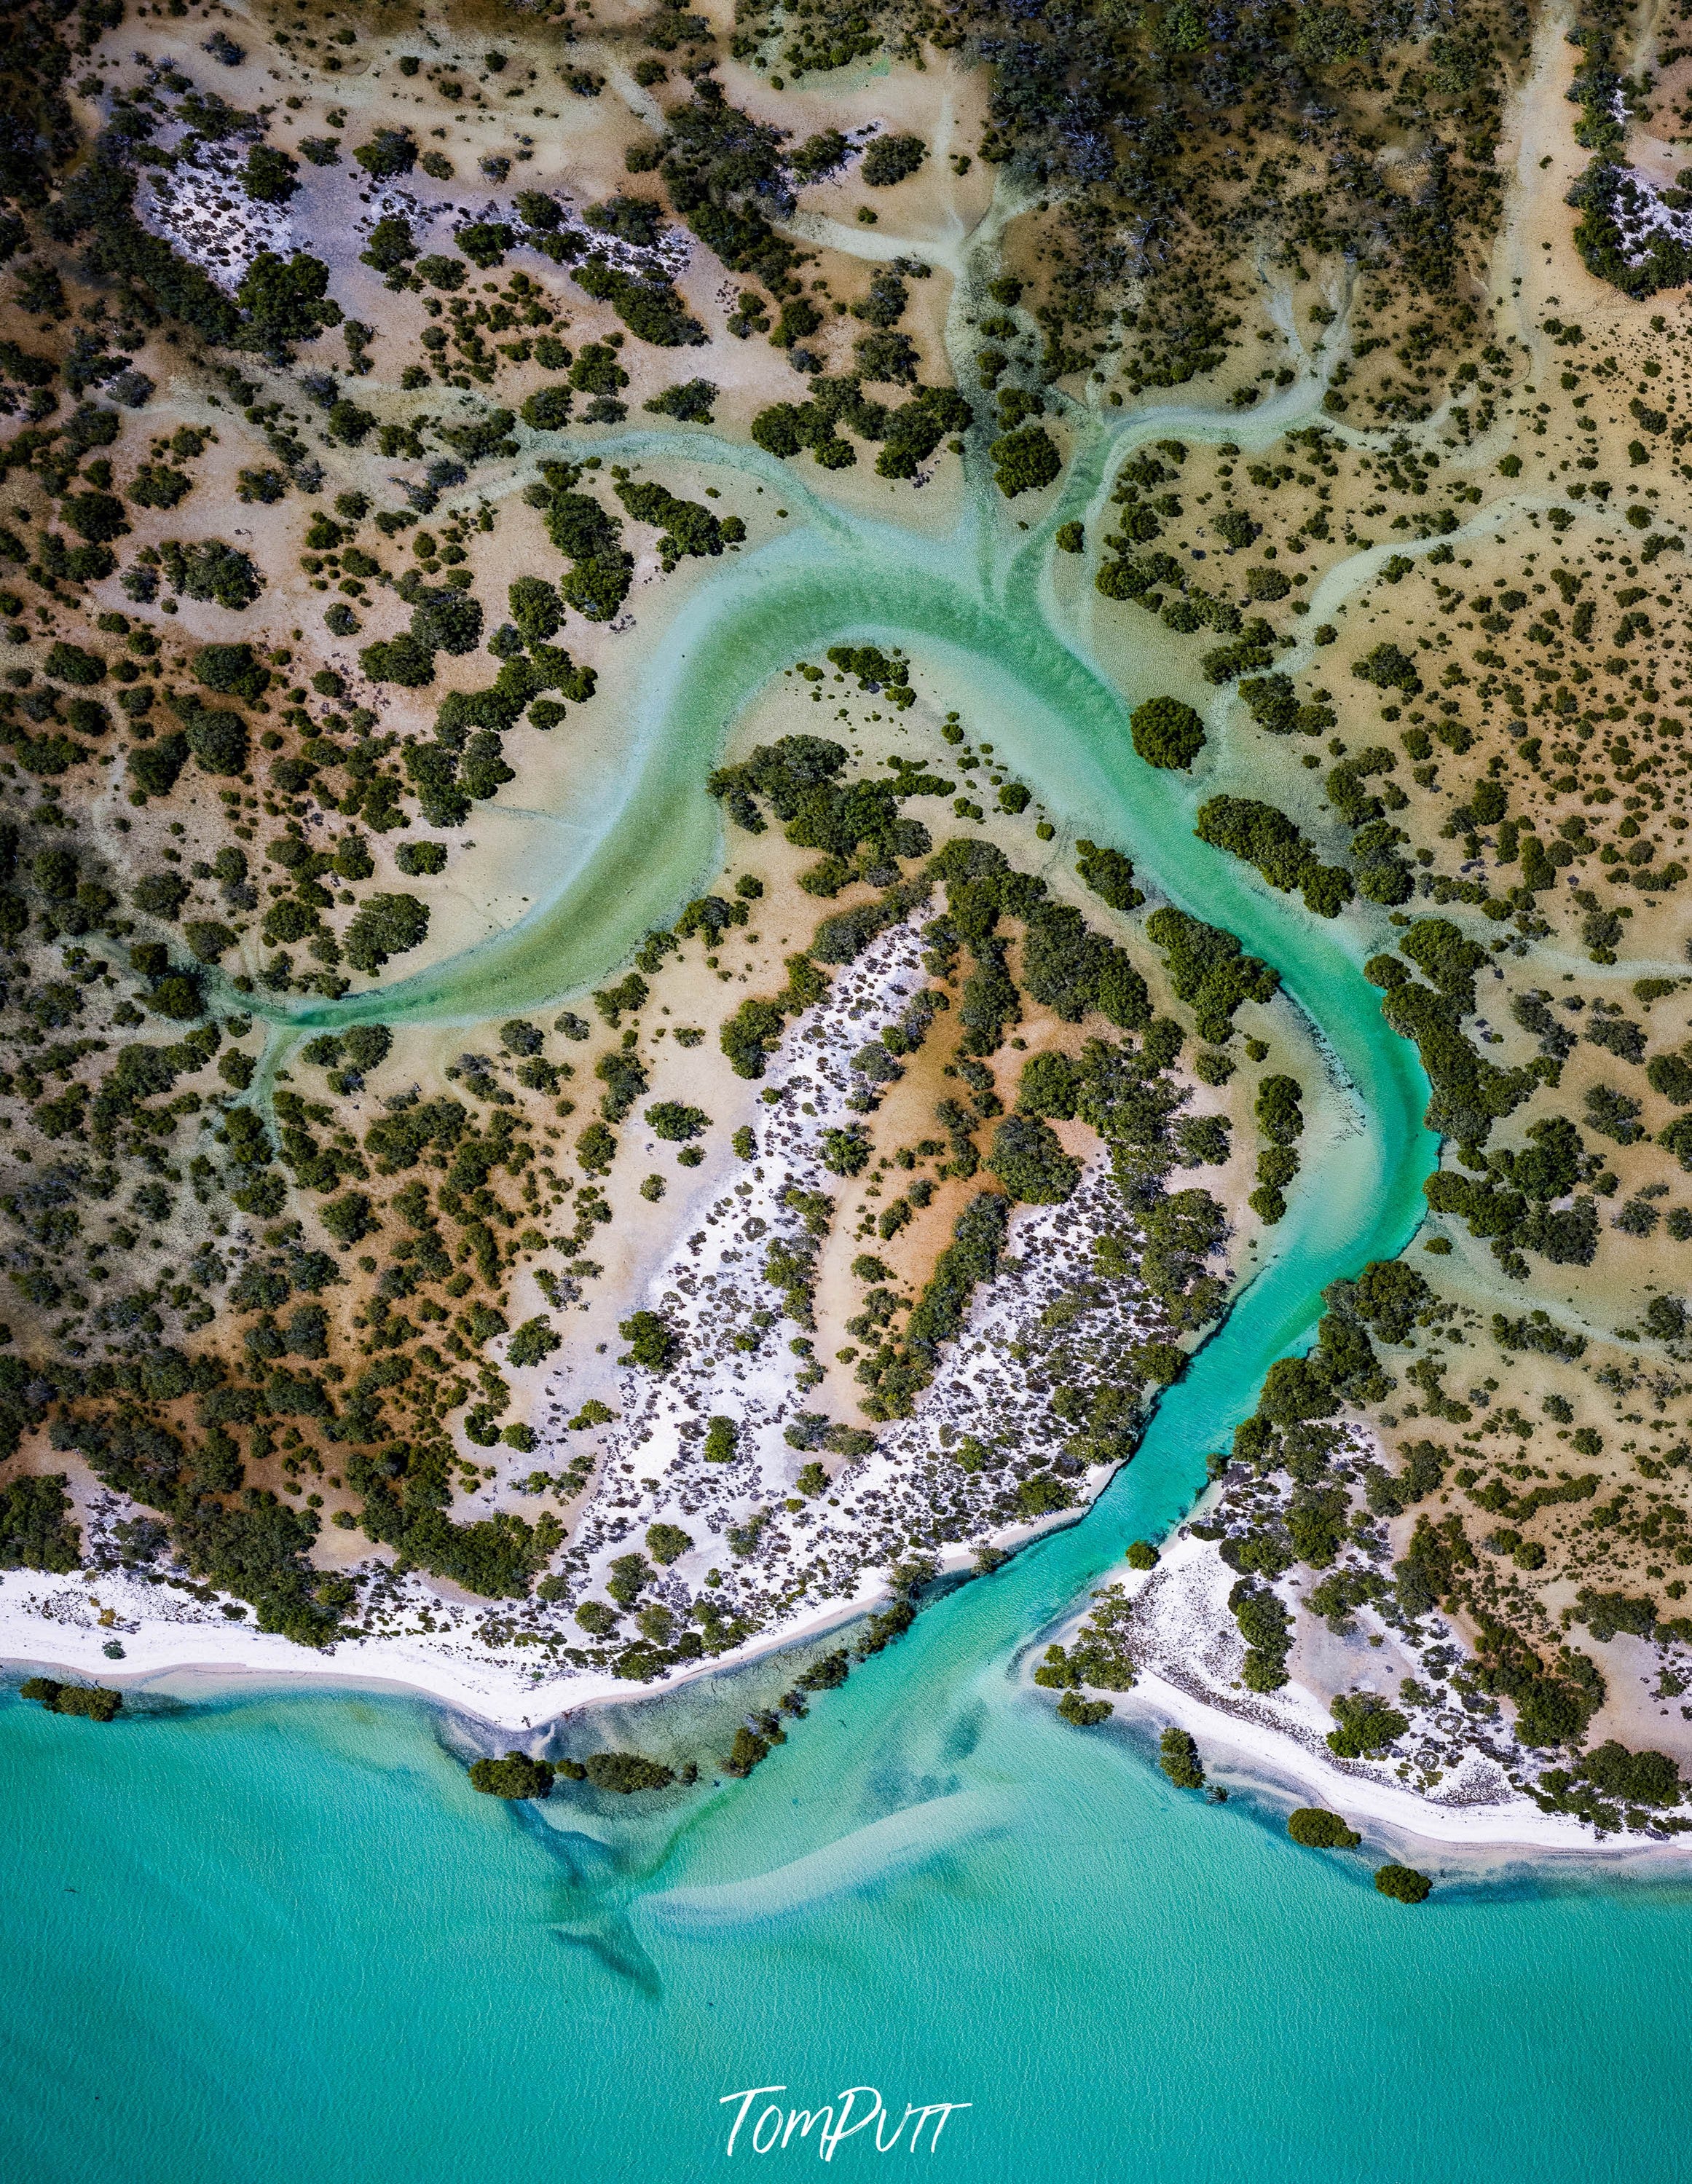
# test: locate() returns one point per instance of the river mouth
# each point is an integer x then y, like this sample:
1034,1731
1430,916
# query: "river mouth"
980,608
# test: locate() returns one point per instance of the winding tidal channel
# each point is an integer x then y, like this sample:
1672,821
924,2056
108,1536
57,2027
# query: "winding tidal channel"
280,1936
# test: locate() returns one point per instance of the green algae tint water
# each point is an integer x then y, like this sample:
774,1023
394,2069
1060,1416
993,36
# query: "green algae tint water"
282,1938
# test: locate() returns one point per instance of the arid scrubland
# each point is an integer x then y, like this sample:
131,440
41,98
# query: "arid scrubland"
390,392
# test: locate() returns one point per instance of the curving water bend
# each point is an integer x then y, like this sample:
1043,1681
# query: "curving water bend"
282,1936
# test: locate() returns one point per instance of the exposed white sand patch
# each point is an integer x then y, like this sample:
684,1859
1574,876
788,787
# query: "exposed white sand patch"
1280,1759
199,208
801,1569
1642,213
1187,1653
908,1496
662,260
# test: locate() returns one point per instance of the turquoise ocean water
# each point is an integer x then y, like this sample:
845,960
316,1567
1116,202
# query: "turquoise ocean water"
299,1947
280,1938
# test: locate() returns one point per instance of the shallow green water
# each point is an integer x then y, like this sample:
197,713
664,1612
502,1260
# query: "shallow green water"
283,1938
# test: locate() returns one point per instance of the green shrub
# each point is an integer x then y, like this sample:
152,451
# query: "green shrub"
1279,1115
269,175
349,1219
231,670
848,1151
390,152
1388,669
890,159
1404,1884
207,938
218,741
385,925
442,271
691,403
34,1530
1263,835
1209,971
1030,1162
653,1345
92,1702
485,242
650,308
1670,1076
1167,733
515,1776
1368,1725
153,767
533,1342
1316,1829
390,244
1025,460
1178,1757
211,569
70,663
671,1120
98,517
548,409
626,1772
1108,874
596,1149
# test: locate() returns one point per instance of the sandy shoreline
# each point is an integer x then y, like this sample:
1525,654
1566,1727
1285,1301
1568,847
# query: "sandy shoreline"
48,1623
226,1655
1186,1655
1277,1762
228,1661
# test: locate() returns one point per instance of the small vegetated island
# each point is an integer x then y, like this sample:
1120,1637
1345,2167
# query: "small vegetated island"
845,1227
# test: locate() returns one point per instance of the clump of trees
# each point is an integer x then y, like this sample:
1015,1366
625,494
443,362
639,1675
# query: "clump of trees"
1108,874
1368,1725
890,159
384,926
1209,971
691,403
653,1344
1267,1629
389,153
515,1776
597,582
1262,835
1097,1658
211,570
909,434
1178,1757
648,307
1281,1118
1610,1785
1025,460
1030,1162
91,1701
35,1532
689,527
623,1772
1315,1828
1167,733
